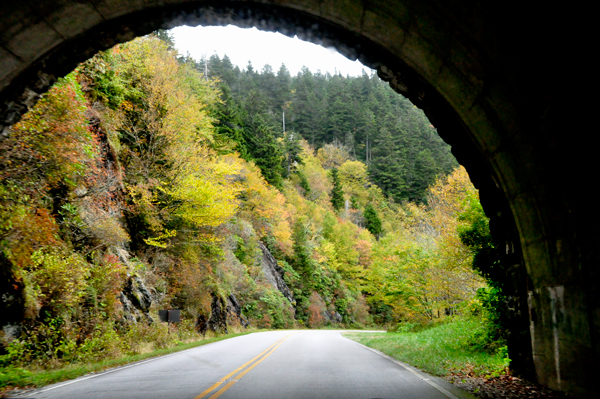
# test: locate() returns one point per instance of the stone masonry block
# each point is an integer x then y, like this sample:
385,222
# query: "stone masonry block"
69,18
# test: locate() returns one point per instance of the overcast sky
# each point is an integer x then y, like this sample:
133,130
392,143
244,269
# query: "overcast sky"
243,45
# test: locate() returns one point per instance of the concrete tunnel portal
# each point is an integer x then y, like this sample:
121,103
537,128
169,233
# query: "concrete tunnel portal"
481,72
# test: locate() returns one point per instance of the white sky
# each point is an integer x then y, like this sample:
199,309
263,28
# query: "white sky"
243,45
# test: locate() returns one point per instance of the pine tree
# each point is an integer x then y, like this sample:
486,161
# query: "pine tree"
337,194
292,150
167,37
379,127
372,221
304,183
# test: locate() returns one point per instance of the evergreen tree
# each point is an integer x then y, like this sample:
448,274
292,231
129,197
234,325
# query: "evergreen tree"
379,127
337,194
166,36
387,167
372,221
283,94
229,123
292,150
266,152
304,183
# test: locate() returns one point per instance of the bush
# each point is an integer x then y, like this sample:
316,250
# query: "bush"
41,343
278,308
316,311
491,336
105,343
57,279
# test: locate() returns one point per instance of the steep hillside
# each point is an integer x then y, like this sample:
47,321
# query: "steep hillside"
131,188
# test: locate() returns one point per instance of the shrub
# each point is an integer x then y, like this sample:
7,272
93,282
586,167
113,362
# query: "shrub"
57,279
316,311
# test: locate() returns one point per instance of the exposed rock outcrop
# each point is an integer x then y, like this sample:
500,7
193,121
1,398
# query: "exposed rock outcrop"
335,317
234,312
136,300
218,315
12,302
138,294
223,313
274,273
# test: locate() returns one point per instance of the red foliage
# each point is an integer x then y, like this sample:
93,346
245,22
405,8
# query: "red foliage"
316,311
51,145
31,231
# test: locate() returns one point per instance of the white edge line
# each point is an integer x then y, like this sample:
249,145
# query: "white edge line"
95,375
399,363
112,370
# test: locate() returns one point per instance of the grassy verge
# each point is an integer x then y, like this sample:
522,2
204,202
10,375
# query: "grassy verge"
14,377
440,350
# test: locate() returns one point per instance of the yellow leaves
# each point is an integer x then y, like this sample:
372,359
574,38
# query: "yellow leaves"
282,232
27,230
127,106
201,193
333,155
425,269
204,202
363,247
56,279
204,192
145,203
263,205
316,175
326,255
168,100
353,174
159,241
176,183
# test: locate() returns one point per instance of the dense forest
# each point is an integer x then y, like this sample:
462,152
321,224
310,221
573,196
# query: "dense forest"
146,180
361,115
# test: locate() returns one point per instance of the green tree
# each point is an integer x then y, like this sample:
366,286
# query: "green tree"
372,221
292,150
337,194
477,237
304,183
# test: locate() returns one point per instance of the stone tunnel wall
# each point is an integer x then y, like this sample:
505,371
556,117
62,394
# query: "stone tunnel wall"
484,73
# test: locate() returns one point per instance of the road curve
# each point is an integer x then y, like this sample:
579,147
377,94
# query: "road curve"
275,364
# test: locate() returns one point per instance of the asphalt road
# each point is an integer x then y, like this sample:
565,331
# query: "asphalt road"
276,364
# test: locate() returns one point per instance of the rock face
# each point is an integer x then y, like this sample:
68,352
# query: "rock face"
274,273
136,300
335,317
218,315
223,313
328,312
234,311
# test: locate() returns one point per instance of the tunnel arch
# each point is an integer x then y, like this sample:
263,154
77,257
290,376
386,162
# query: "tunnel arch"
480,72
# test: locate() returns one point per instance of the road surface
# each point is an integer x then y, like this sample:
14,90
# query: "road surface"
275,364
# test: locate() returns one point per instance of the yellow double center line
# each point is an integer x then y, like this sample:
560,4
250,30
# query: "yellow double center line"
252,363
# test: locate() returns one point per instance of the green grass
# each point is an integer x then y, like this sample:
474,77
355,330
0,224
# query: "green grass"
15,377
440,350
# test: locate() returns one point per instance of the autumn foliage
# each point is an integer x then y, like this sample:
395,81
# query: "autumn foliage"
119,198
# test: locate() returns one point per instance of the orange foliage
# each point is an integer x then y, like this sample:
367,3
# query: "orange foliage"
51,145
364,252
316,311
31,230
